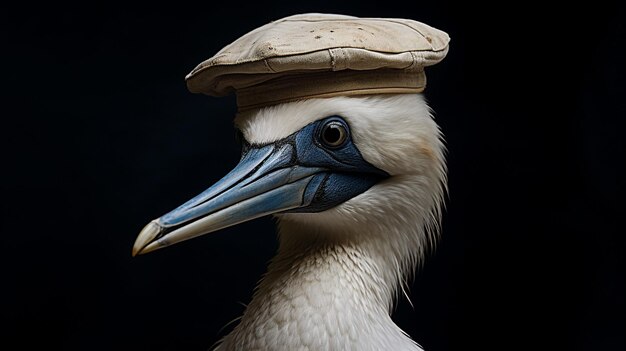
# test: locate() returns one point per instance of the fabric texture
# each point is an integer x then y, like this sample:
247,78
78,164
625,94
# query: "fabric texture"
321,55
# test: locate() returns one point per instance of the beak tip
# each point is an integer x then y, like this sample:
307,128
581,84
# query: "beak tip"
146,237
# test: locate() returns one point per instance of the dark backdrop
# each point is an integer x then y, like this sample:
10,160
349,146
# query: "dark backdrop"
99,136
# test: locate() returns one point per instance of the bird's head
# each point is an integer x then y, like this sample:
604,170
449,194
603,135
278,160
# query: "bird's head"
335,160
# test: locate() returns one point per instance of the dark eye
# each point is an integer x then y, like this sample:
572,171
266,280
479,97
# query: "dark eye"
334,134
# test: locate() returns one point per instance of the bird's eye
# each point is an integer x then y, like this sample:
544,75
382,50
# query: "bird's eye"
334,134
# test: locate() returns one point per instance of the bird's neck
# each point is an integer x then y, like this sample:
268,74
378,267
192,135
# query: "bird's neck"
321,293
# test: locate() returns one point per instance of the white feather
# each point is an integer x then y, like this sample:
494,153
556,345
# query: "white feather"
334,280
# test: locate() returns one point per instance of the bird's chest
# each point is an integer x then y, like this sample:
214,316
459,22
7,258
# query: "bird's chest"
315,309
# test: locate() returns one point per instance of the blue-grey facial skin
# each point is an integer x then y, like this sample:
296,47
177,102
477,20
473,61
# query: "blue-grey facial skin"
346,173
300,173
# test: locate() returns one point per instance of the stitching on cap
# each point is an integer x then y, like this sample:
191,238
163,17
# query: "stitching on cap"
332,59
338,58
344,58
418,60
268,66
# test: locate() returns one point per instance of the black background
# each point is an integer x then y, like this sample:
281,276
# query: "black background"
99,136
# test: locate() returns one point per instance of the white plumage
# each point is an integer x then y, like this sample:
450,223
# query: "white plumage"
333,282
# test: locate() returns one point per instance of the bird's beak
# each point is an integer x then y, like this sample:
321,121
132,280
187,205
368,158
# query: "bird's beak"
267,180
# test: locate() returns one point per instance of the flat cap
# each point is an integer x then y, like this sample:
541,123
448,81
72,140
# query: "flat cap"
321,55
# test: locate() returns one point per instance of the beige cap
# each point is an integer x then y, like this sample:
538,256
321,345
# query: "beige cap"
321,55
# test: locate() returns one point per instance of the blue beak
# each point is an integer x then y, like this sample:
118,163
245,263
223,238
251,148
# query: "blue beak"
295,174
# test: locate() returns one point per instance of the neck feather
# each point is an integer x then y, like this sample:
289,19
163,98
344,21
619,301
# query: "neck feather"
336,275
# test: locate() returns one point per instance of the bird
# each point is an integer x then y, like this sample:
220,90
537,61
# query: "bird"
357,186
